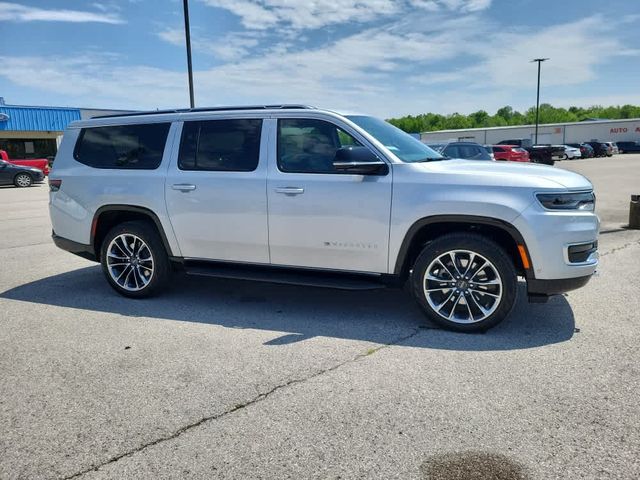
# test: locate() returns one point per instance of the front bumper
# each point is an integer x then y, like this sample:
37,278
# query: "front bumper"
549,236
555,287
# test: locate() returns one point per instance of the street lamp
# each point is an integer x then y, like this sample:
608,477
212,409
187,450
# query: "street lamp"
539,60
188,40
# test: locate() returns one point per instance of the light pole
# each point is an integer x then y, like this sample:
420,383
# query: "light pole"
539,60
187,33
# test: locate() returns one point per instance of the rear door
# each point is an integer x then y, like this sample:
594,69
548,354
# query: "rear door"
215,190
319,217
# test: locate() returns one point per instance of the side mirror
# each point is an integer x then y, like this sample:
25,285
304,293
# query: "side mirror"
359,161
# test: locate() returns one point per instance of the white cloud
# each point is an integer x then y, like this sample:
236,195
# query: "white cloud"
263,14
230,47
461,5
313,14
397,68
20,13
576,50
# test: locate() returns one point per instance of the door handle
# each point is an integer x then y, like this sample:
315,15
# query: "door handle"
290,190
183,187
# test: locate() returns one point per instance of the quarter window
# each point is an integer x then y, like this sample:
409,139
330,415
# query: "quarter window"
220,145
310,146
137,147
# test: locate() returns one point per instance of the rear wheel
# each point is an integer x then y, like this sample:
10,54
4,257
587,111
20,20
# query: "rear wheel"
464,282
23,180
134,260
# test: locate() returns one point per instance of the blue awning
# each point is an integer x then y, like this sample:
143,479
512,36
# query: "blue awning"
36,119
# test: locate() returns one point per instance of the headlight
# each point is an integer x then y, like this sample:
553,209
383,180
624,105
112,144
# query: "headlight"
568,201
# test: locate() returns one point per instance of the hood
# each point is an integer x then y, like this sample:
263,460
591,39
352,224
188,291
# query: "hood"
513,174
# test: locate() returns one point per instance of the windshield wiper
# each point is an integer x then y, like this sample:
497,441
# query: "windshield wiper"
433,159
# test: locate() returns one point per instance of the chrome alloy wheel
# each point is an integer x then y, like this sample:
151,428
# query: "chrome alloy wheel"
130,262
23,180
462,286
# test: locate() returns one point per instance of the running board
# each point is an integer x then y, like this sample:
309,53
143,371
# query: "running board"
287,276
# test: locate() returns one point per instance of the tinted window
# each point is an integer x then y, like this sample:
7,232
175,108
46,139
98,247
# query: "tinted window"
468,152
310,146
124,146
220,145
452,151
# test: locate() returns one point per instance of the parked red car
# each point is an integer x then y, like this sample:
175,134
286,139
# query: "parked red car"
39,163
510,153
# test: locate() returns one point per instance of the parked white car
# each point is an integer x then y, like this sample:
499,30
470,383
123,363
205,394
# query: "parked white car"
295,194
614,147
571,153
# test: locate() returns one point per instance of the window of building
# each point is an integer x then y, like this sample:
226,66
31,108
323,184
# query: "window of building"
25,149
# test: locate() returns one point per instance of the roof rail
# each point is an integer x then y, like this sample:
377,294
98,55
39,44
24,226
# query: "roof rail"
209,109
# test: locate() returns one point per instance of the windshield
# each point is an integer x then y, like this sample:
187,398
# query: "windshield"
402,145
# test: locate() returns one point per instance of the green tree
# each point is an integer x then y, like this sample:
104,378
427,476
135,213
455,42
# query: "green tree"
428,122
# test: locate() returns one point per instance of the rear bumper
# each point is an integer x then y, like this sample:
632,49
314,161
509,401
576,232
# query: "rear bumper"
80,249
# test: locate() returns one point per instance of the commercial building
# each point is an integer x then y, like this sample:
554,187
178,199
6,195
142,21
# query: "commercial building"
552,133
35,132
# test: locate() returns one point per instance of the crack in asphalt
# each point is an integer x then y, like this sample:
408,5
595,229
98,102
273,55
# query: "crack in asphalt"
260,397
25,245
621,247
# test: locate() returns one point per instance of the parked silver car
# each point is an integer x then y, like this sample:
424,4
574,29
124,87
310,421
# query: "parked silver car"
295,194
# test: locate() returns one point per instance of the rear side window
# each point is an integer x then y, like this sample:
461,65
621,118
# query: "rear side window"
220,145
137,147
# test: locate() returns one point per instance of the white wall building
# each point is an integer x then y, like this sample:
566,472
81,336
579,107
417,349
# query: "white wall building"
552,133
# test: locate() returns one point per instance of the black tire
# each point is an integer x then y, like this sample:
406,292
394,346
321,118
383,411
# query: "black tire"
161,268
480,246
23,180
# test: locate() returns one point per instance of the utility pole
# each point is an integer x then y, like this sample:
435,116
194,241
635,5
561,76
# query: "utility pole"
187,33
539,60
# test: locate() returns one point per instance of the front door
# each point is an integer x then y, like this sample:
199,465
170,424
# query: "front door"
216,191
319,217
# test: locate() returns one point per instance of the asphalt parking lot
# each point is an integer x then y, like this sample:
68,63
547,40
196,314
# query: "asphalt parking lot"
231,379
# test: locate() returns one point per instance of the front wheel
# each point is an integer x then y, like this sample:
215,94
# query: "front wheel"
464,282
134,260
23,180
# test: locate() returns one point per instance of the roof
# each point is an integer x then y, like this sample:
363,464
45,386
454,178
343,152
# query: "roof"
211,109
585,122
19,118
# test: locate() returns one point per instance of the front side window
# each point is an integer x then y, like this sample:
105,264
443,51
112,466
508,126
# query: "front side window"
220,145
137,147
310,146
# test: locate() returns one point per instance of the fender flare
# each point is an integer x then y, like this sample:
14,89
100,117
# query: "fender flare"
129,208
460,219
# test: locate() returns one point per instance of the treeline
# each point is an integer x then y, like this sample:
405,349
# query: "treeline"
507,116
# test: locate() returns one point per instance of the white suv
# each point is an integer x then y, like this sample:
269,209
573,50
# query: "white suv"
295,194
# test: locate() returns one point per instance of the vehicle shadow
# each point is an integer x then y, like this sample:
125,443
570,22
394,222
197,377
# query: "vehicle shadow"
301,313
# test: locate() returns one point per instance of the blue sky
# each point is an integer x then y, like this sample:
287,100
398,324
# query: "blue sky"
386,57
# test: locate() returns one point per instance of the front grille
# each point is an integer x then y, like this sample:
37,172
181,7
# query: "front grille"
580,253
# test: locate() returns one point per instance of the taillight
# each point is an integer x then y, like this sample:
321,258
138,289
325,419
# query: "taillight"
54,185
